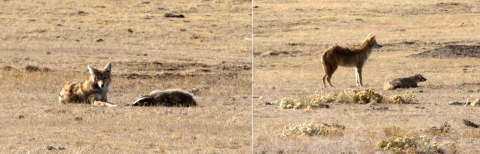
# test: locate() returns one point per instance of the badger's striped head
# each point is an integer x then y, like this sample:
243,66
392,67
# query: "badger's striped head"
420,78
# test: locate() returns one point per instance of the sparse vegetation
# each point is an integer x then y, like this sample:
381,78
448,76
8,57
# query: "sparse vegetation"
406,98
348,96
316,101
47,43
354,96
391,131
443,129
414,144
31,68
7,68
475,102
311,129
405,29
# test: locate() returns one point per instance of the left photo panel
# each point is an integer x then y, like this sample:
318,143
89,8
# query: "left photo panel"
132,76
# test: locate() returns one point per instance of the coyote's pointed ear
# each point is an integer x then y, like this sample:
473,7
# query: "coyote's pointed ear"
108,67
370,36
90,70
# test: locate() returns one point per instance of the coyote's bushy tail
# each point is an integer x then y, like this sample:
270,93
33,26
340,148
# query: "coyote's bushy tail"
324,61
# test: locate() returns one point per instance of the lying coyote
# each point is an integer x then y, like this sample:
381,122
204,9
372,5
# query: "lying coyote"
93,90
172,97
409,82
348,57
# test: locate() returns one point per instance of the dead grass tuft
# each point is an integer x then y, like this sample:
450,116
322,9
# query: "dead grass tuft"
31,68
354,96
443,129
475,102
7,68
175,136
291,21
312,129
348,96
406,98
78,143
316,101
414,144
391,131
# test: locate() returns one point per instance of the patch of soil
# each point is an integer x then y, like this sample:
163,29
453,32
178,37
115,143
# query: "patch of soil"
167,75
169,70
450,51
175,67
157,76
469,87
31,68
294,44
7,68
281,53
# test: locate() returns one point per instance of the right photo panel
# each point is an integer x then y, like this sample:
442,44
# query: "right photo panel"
366,76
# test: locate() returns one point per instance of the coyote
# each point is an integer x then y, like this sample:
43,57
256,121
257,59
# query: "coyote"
409,82
348,57
172,97
93,90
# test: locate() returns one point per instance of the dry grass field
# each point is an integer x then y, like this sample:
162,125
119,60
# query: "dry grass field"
209,49
290,36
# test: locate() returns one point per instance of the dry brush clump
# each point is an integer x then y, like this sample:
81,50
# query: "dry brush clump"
443,129
354,96
475,102
348,96
406,98
415,144
312,129
32,68
6,68
391,131
465,103
316,101
401,142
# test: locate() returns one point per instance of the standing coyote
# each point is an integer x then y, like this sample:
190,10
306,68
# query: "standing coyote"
172,97
348,57
93,90
409,82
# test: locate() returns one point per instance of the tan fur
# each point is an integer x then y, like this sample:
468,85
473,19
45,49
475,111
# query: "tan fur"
92,91
408,82
348,57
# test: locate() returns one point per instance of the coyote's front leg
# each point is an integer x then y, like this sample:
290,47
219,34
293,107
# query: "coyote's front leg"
98,100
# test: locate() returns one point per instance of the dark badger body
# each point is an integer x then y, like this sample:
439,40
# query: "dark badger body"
173,97
408,82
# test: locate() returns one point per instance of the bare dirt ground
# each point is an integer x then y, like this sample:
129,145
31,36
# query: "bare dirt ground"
47,43
450,51
290,36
